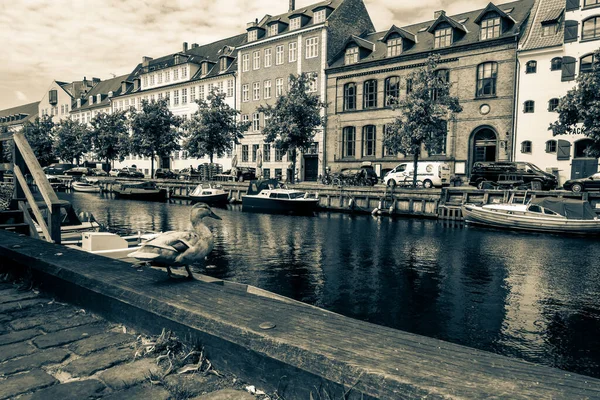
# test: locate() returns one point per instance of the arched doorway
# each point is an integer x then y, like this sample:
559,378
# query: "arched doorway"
484,145
583,165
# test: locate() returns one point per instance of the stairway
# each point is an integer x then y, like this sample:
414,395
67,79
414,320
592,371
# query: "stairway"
13,220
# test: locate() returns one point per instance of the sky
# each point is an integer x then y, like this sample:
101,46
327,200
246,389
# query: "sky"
65,40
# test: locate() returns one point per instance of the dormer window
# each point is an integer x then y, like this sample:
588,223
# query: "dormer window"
177,59
223,64
319,16
273,29
91,100
549,29
351,56
490,28
442,38
98,98
295,23
394,47
53,96
252,35
204,68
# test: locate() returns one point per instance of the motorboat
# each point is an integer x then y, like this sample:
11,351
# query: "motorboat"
271,196
72,225
547,214
141,191
209,194
86,187
109,244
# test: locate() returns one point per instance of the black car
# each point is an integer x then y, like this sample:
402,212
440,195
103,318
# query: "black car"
164,173
79,171
129,172
57,168
526,172
583,184
246,174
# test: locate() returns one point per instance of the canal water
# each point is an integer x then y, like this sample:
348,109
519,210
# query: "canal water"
530,296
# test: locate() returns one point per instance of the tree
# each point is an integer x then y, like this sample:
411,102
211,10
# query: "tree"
39,135
294,120
154,131
423,113
5,146
109,136
213,129
582,105
71,140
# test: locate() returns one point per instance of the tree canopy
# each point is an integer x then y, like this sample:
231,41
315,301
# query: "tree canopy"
109,136
155,130
39,134
423,113
71,140
213,129
291,124
582,105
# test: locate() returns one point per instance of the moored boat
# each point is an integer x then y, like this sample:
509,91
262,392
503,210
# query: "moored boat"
209,194
72,226
141,191
110,245
270,196
85,187
556,215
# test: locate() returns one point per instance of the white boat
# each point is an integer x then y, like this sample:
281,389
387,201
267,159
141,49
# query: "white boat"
110,245
549,214
141,191
85,187
270,196
209,194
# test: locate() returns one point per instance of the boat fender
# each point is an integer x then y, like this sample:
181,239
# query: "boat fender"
351,204
375,211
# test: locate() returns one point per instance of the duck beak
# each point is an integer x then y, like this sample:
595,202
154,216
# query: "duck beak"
213,215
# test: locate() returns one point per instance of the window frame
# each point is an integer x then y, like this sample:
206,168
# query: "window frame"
493,30
388,91
528,107
551,146
295,23
267,89
292,52
268,57
556,64
596,28
368,143
351,55
526,147
256,60
245,62
483,81
444,40
394,46
591,63
531,67
553,104
256,91
348,144
319,16
350,99
312,47
279,55
370,94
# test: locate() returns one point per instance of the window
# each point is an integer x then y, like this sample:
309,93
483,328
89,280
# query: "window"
529,106
184,72
292,51
351,56
442,38
368,141
551,146
256,91
245,62
394,47
552,104
490,28
278,87
391,89
245,92
151,80
254,152
230,88
252,35
268,57
319,16
176,97
278,155
245,119
409,86
294,23
526,147
279,55
487,73
591,3
176,72
183,96
586,63
312,50
370,94
256,122
266,173
159,78
591,28
244,153
348,140
267,88
313,83
549,29
256,60
531,67
223,64
266,152
273,29
168,76
556,64
201,92
443,75
350,96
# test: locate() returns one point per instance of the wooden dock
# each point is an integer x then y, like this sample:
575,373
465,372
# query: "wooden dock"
281,345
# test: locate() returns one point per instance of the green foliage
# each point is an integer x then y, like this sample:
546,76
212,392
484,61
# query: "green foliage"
109,136
582,105
5,146
213,129
154,130
294,120
423,113
71,140
40,137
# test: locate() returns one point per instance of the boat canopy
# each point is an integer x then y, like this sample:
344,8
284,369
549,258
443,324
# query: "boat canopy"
256,186
570,208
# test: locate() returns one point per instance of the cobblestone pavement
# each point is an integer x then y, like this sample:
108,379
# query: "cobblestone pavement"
50,350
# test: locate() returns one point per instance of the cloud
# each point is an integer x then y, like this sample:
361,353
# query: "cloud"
21,96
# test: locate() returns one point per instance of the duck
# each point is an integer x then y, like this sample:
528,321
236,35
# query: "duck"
175,249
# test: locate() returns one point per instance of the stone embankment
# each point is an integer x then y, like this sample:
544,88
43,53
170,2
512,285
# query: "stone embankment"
51,350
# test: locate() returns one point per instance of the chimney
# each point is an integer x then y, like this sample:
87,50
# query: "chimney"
95,81
84,81
436,14
194,45
146,60
185,48
292,5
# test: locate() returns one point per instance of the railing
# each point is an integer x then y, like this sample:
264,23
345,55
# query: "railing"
24,160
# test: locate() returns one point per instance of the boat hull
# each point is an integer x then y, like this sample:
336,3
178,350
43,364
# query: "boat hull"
479,216
220,198
85,188
293,206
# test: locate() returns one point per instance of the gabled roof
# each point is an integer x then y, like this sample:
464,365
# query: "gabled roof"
444,18
365,44
102,88
492,7
403,33
25,111
533,39
553,15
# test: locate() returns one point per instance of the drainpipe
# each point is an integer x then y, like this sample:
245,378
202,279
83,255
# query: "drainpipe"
516,105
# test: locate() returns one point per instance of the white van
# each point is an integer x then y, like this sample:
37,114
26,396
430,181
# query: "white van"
430,173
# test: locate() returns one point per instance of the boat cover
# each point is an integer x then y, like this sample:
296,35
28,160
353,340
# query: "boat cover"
570,208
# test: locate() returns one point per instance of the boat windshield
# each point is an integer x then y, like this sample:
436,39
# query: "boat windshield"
296,195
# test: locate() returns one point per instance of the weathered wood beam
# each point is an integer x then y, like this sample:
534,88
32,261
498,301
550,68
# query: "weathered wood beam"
34,207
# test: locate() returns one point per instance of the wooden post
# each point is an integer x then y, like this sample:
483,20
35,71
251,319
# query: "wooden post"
18,160
54,223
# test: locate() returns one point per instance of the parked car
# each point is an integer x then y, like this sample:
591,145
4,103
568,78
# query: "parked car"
114,172
582,184
130,172
57,168
431,173
528,173
79,171
99,172
164,173
188,174
245,174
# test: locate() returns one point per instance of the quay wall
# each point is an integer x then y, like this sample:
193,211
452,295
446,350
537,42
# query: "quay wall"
280,345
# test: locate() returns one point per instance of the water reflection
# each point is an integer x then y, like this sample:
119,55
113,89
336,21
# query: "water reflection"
530,296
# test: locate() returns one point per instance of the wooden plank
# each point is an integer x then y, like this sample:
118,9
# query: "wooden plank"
6,136
36,170
32,203
27,217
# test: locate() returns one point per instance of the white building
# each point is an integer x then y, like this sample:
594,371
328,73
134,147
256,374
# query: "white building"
558,46
60,98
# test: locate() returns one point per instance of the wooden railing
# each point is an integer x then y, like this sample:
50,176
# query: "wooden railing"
25,161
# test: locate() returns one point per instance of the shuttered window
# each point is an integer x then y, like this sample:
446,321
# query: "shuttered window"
571,31
572,5
563,150
568,69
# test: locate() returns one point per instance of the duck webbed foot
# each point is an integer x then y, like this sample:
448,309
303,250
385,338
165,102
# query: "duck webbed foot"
174,276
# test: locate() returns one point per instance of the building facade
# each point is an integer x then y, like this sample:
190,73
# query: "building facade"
97,99
557,47
59,99
299,41
478,56
14,118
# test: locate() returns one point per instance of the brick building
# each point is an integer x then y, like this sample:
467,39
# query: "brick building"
478,56
300,40
557,46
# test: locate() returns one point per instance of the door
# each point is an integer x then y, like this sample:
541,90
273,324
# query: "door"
583,167
311,168
165,163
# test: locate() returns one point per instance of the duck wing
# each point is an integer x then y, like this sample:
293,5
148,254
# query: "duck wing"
166,248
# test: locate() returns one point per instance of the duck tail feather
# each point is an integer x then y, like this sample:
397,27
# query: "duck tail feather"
140,255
